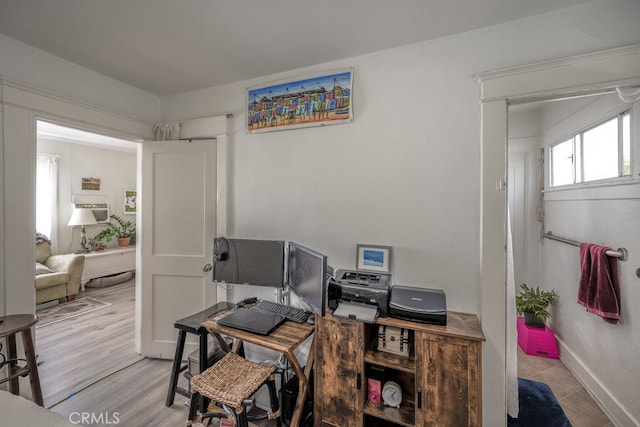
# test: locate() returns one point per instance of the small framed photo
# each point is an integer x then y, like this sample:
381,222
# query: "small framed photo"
373,258
91,184
130,202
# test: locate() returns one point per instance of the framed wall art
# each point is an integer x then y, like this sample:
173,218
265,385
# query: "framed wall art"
314,100
91,184
373,258
130,202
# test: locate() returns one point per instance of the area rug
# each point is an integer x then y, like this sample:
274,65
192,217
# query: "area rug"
538,407
66,310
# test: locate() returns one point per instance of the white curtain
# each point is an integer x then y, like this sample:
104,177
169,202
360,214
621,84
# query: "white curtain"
166,131
512,334
47,197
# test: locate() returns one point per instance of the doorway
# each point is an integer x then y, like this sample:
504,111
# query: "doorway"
572,211
104,316
583,74
109,163
580,75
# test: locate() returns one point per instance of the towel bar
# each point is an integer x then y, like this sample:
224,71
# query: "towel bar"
620,253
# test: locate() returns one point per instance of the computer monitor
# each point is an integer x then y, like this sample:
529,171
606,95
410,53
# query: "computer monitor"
307,277
249,261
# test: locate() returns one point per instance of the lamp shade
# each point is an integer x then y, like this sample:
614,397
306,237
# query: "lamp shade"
82,216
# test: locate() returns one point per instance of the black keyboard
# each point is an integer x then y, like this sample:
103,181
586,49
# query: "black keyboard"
291,313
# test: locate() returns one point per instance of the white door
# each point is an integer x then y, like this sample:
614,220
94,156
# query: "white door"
176,226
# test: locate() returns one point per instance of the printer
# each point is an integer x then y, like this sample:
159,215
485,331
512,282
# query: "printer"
423,305
359,295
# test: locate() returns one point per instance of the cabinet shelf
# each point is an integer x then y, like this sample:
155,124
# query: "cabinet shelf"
404,416
389,360
443,368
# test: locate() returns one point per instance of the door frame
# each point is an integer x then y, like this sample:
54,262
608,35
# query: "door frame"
22,106
573,76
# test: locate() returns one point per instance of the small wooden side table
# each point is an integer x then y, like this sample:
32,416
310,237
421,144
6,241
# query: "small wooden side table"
11,325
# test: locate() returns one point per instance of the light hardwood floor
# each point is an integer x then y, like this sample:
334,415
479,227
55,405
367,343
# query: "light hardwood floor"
91,369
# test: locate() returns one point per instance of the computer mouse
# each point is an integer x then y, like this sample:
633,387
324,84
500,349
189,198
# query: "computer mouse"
311,320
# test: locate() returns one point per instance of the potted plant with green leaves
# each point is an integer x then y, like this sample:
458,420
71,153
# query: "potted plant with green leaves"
119,229
122,230
534,304
98,242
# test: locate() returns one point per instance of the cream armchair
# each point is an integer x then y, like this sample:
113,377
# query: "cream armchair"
57,276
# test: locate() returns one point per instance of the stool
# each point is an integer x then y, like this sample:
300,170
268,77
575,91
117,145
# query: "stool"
192,325
11,325
230,383
537,341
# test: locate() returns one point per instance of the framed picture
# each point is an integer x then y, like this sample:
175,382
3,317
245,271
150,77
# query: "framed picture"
314,100
130,202
91,184
373,258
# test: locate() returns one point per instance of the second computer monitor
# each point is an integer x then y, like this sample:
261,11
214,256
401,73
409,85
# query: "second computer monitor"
307,272
249,261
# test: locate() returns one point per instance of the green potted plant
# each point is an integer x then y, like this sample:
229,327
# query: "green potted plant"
97,242
122,230
534,304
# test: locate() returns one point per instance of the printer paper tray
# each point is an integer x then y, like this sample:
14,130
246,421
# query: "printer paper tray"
362,312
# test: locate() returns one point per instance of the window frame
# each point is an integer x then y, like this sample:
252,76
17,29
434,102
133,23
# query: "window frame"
577,141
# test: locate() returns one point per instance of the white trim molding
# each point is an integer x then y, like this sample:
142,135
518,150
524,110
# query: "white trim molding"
582,74
72,112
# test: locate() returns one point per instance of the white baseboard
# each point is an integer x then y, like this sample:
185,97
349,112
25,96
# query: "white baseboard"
618,415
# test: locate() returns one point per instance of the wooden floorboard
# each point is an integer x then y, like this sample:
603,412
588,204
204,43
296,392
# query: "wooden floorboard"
91,368
135,396
76,352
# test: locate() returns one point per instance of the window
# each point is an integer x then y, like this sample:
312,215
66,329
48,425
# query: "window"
47,195
600,152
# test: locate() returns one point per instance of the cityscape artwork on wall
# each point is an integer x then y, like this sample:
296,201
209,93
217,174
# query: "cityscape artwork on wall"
314,100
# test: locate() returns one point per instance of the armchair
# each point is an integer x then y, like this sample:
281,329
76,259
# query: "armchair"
57,276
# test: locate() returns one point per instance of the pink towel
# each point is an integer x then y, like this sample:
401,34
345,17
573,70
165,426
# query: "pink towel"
598,290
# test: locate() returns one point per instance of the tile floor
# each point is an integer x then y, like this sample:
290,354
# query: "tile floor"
579,407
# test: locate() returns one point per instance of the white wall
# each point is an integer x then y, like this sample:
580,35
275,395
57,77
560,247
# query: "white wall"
315,185
117,173
25,64
405,172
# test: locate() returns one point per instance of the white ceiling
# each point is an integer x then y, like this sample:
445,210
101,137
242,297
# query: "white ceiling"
173,46
66,134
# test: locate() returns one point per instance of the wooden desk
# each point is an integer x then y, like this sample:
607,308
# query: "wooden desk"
11,325
284,339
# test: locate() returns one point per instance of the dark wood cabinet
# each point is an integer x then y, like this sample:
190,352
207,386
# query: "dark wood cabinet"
440,379
448,371
339,373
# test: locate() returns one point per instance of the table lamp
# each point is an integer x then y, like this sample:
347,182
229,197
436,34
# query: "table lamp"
82,217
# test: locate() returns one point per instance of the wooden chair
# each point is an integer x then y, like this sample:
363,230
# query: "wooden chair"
230,383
